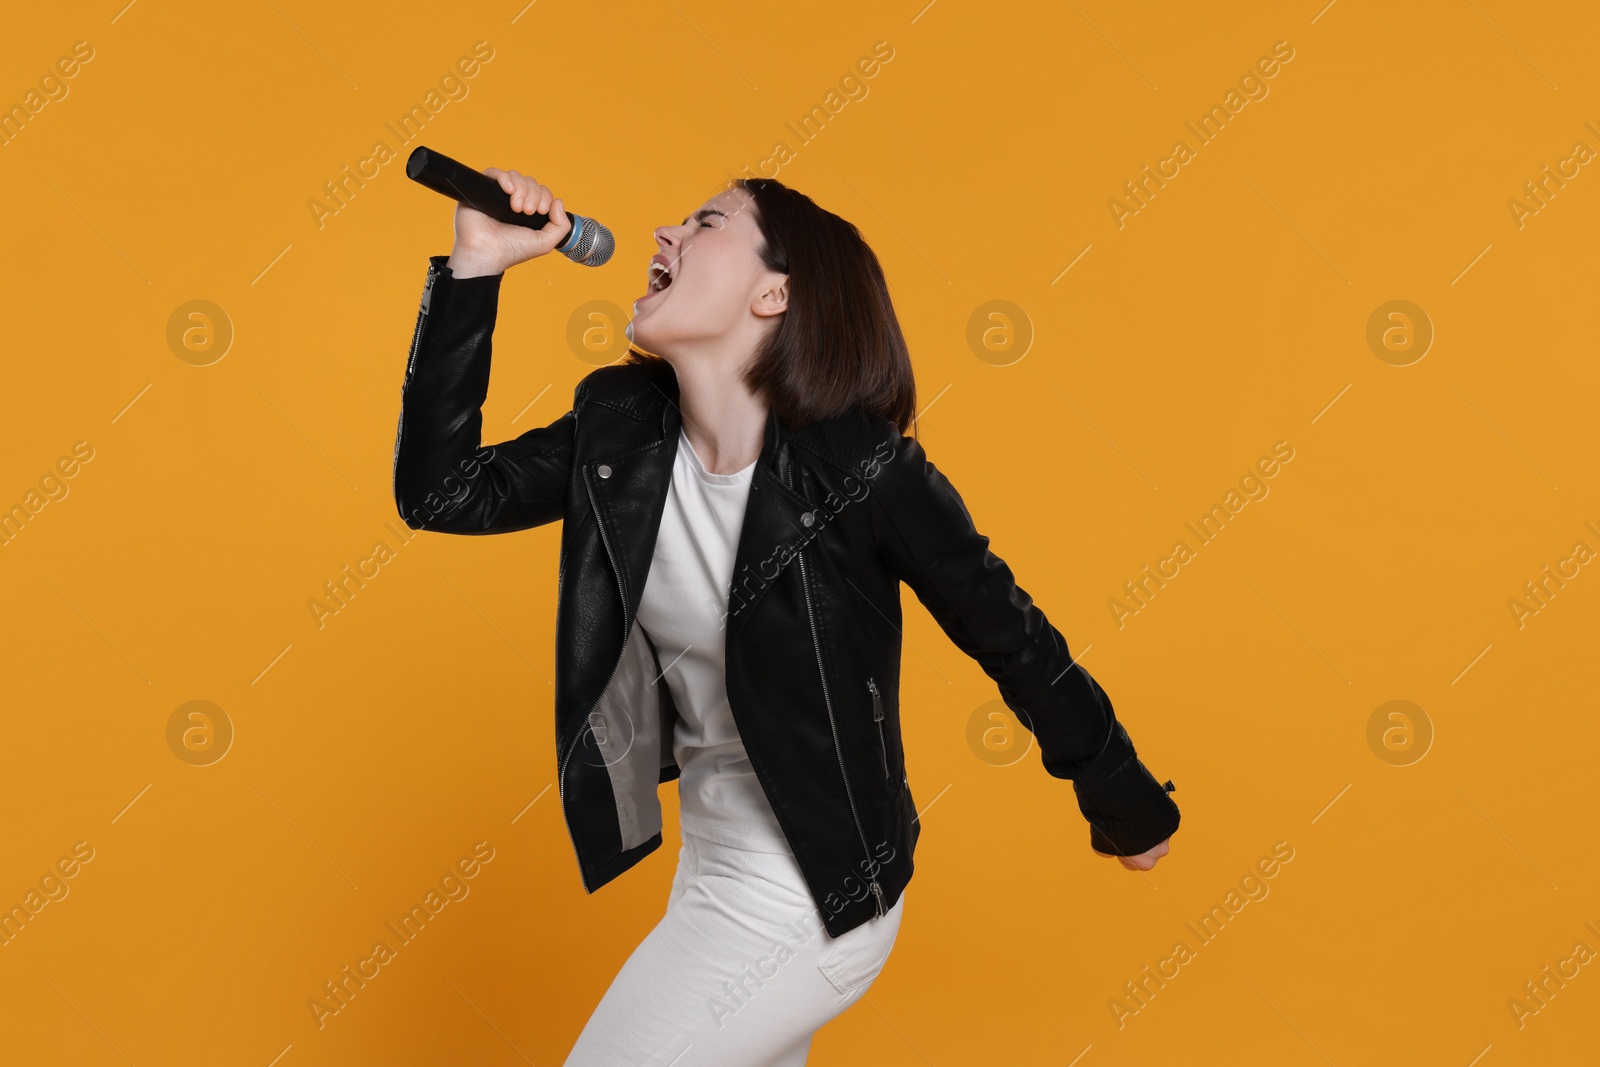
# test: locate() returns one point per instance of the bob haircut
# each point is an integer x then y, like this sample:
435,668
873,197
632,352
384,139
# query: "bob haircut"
838,346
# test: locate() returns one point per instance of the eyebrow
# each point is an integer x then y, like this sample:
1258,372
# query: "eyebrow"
702,215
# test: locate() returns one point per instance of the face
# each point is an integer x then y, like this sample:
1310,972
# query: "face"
707,281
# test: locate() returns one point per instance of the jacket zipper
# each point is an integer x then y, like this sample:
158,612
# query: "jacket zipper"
561,777
411,365
877,717
805,585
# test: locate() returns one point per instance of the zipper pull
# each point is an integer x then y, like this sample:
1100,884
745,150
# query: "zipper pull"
877,891
877,717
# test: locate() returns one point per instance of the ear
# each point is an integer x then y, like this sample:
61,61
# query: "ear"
773,299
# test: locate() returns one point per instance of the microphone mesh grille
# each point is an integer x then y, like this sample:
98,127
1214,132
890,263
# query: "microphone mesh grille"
593,246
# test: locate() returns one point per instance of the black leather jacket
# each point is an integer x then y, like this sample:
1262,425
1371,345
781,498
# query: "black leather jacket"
839,514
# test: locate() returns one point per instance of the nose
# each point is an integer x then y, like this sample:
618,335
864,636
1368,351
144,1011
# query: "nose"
667,236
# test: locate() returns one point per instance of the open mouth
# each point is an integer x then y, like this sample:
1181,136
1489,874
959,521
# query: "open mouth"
660,275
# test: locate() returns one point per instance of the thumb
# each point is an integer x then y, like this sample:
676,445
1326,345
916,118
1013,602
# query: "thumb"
558,213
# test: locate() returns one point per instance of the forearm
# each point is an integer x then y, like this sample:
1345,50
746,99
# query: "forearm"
927,536
1128,811
1080,738
446,381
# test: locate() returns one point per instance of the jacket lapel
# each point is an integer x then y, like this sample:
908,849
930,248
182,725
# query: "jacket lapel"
629,502
631,499
775,526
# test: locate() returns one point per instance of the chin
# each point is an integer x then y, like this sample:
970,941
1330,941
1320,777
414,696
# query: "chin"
638,334
652,336
642,338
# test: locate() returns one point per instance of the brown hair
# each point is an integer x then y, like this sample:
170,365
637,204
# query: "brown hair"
839,345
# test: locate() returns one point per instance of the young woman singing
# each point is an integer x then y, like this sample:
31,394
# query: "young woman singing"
740,505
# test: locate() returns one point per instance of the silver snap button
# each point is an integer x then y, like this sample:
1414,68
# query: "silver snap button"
807,519
603,470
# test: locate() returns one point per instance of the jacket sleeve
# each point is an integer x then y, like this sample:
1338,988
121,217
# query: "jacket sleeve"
444,479
927,537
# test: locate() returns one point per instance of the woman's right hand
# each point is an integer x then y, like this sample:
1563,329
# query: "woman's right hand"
488,246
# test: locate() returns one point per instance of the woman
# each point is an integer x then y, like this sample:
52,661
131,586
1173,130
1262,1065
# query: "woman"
740,506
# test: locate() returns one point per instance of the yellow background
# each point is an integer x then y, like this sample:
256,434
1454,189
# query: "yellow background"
1230,313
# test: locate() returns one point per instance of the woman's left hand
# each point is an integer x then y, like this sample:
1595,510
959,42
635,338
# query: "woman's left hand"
1145,860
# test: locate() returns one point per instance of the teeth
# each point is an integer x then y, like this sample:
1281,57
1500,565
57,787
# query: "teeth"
660,276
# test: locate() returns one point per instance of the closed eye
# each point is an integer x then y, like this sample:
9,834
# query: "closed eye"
706,213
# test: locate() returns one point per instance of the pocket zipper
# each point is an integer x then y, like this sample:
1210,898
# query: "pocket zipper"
877,717
822,672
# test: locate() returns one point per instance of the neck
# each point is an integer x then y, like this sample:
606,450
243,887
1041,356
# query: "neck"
723,420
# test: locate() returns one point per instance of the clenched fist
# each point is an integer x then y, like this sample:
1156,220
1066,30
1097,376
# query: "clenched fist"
489,246
1145,860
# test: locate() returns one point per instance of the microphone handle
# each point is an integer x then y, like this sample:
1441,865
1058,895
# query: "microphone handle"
588,244
473,188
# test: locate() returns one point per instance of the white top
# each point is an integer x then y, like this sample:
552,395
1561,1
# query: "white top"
682,608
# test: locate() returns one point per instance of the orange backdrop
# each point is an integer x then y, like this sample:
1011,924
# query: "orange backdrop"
1253,334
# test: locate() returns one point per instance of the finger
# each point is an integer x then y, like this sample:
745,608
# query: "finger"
545,200
558,213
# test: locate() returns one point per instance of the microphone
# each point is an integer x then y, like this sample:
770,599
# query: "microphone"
589,243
